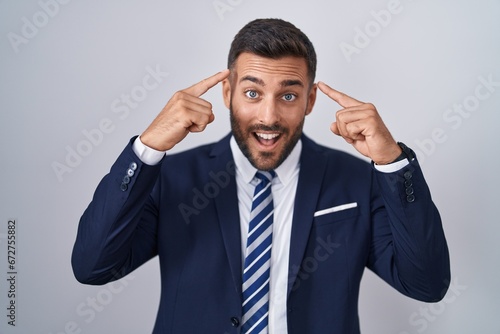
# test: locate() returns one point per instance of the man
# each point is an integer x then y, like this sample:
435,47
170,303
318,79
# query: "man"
265,231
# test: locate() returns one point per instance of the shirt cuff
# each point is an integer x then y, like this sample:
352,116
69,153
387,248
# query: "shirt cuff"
148,155
393,167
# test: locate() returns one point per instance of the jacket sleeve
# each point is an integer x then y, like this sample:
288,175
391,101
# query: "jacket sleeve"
117,231
410,252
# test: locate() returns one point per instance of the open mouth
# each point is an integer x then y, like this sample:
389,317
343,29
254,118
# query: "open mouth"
267,139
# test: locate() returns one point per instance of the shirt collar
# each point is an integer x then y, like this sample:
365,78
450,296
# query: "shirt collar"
285,171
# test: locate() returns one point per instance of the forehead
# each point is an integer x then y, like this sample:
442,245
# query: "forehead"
271,70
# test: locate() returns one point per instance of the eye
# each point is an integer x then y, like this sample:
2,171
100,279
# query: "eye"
251,94
289,97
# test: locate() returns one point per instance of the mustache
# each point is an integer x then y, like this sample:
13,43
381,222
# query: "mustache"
269,128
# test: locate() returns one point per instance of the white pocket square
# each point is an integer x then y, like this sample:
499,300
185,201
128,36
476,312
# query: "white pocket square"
336,209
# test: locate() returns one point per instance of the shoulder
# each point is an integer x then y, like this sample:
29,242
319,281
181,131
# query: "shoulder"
200,153
196,164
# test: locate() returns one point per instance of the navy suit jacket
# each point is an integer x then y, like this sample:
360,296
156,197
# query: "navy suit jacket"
185,210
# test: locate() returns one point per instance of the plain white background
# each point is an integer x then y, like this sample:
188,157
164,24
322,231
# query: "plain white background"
66,69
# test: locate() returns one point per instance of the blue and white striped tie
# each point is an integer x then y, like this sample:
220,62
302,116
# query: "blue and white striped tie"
256,272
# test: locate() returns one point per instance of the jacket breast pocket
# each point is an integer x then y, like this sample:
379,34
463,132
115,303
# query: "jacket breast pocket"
336,213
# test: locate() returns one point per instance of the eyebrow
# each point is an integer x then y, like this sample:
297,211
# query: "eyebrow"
287,83
284,83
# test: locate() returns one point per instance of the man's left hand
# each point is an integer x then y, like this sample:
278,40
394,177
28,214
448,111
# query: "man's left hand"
361,126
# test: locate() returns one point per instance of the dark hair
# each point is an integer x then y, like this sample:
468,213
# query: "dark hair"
273,38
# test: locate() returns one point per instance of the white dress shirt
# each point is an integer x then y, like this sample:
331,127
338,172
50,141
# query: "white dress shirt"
283,188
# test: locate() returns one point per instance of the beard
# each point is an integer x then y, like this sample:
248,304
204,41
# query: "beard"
264,161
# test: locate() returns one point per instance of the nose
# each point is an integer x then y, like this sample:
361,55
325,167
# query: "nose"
268,113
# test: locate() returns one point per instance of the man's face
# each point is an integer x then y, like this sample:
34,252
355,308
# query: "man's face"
268,101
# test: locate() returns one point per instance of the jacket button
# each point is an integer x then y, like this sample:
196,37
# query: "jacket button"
133,166
123,187
235,322
407,175
410,198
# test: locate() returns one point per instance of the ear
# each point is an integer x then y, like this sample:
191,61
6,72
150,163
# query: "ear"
311,99
226,92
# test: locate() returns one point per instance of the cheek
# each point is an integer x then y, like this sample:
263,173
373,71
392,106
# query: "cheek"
243,111
294,116
241,115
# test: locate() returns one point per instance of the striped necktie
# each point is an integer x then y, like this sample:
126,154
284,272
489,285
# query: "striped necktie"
256,271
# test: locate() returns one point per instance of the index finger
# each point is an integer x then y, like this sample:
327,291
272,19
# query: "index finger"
342,99
204,85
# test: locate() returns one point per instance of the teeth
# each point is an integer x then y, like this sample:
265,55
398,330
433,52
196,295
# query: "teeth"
267,136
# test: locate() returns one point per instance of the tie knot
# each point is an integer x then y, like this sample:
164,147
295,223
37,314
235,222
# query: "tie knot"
265,176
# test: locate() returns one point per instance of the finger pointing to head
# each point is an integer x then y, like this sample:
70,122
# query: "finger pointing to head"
342,99
204,85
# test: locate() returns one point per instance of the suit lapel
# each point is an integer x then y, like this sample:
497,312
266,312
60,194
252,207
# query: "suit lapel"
312,168
226,204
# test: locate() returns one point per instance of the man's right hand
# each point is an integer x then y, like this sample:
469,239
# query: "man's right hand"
185,112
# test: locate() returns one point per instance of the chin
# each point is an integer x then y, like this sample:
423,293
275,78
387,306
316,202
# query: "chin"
265,161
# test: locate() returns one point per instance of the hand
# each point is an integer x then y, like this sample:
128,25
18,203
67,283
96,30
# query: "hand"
185,112
361,126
